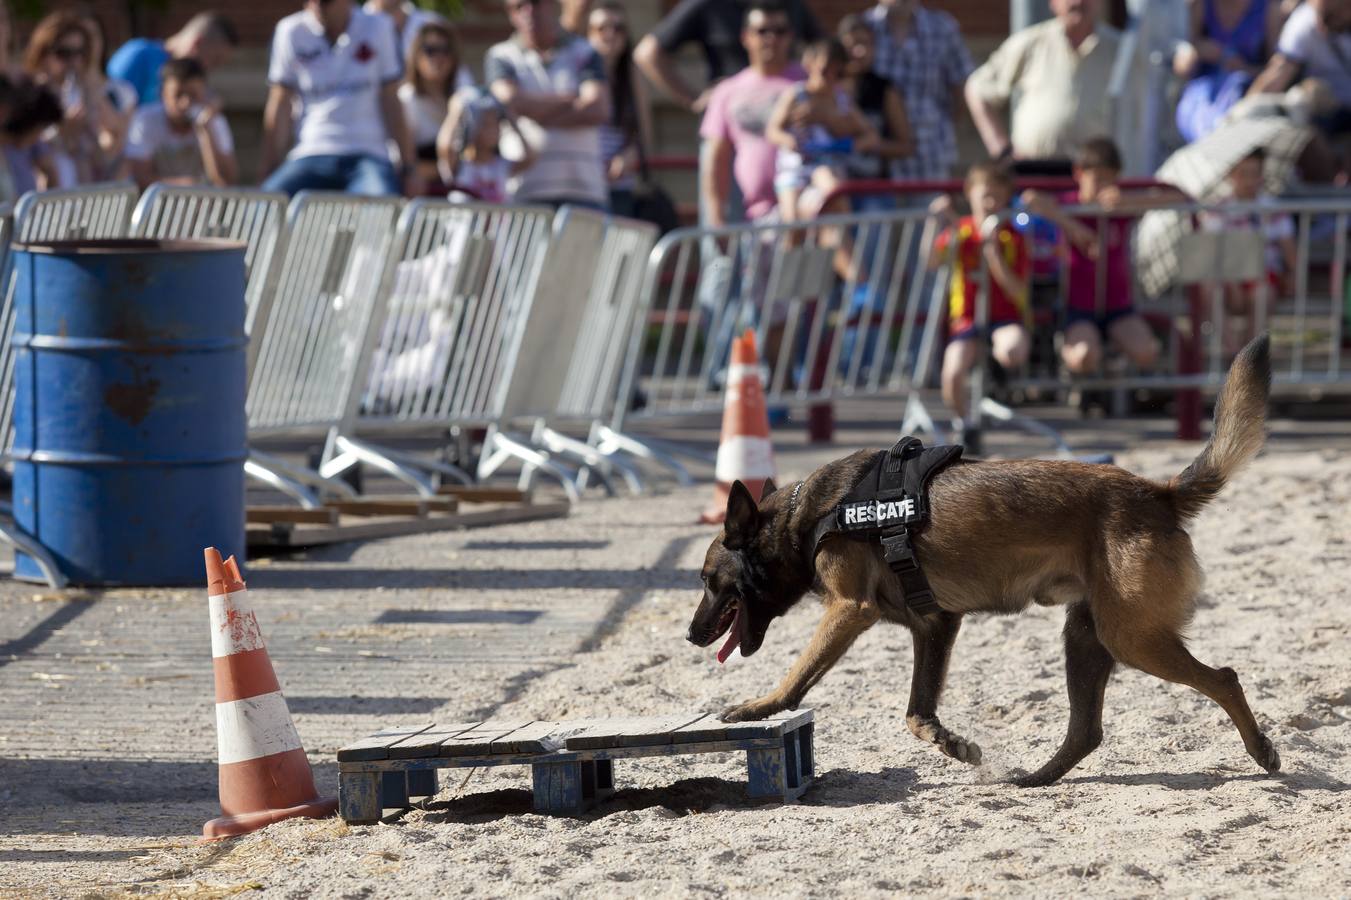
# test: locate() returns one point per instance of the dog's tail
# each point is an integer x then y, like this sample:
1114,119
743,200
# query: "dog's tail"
1240,413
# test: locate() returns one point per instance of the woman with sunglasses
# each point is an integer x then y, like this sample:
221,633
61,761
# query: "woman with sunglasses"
435,73
628,134
60,55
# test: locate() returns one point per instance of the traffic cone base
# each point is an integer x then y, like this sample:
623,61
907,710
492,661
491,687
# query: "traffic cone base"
745,451
265,776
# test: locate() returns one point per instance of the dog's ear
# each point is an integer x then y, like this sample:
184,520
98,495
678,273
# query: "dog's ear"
743,518
769,488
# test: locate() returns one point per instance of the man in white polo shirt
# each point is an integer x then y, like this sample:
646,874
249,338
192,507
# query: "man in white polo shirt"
554,83
344,66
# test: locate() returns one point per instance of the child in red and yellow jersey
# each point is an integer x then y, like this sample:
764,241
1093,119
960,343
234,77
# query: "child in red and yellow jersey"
989,188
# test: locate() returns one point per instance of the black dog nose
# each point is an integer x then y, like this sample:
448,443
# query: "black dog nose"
689,636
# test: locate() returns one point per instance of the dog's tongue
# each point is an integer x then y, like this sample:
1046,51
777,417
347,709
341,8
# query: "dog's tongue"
733,638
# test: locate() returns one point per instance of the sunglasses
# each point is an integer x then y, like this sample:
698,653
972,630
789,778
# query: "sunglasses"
69,53
435,50
777,31
611,28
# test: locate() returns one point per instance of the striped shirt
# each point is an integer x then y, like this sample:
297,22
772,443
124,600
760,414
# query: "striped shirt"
569,165
927,67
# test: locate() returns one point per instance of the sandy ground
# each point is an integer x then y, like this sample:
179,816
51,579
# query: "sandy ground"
1169,804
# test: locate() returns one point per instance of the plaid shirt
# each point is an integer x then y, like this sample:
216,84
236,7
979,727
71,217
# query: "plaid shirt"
927,67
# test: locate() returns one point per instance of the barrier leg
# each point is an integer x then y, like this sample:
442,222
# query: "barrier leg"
293,489
556,442
499,448
266,462
917,418
370,455
22,540
609,442
1187,405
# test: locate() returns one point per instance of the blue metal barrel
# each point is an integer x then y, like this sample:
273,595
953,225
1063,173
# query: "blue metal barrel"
129,421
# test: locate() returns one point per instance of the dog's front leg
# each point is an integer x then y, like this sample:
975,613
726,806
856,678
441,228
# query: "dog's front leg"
841,625
933,637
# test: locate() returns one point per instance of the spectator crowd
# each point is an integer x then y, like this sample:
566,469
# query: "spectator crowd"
380,99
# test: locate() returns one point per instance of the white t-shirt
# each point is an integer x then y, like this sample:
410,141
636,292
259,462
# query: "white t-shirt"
1322,55
569,165
339,84
174,154
487,180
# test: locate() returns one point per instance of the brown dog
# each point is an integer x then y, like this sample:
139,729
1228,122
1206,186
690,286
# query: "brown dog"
1002,535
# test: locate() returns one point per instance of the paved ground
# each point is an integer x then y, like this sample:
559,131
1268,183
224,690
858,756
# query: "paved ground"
107,737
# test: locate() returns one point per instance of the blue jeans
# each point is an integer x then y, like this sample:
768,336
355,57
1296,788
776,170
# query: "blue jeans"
366,175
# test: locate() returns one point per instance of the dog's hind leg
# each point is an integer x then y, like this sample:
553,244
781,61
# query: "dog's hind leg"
1088,665
933,637
1166,657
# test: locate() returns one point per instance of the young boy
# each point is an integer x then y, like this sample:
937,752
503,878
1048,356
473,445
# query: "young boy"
989,188
1241,299
1094,317
183,139
816,127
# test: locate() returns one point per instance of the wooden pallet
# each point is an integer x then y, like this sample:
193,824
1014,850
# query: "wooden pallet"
272,529
572,763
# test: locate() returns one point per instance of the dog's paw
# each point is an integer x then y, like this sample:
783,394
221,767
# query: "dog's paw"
949,744
750,711
1040,778
1266,756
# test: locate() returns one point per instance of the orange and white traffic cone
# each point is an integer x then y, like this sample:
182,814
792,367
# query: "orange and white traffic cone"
745,452
264,774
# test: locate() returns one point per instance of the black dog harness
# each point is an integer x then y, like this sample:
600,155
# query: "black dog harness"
890,502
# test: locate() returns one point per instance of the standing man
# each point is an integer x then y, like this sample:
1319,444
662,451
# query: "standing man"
738,111
208,37
715,26
344,65
922,53
1315,43
553,82
1060,70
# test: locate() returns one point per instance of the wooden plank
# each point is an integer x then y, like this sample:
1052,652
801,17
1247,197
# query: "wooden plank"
774,726
281,536
377,745
432,504
374,508
478,741
427,743
266,515
473,494
646,732
704,728
533,738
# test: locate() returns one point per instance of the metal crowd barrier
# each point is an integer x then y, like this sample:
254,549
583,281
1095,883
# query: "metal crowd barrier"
258,219
832,318
309,331
573,351
861,318
458,289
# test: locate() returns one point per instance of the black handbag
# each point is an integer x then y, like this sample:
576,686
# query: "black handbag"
651,203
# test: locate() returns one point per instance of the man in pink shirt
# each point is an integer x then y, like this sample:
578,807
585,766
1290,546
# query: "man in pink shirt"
738,110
